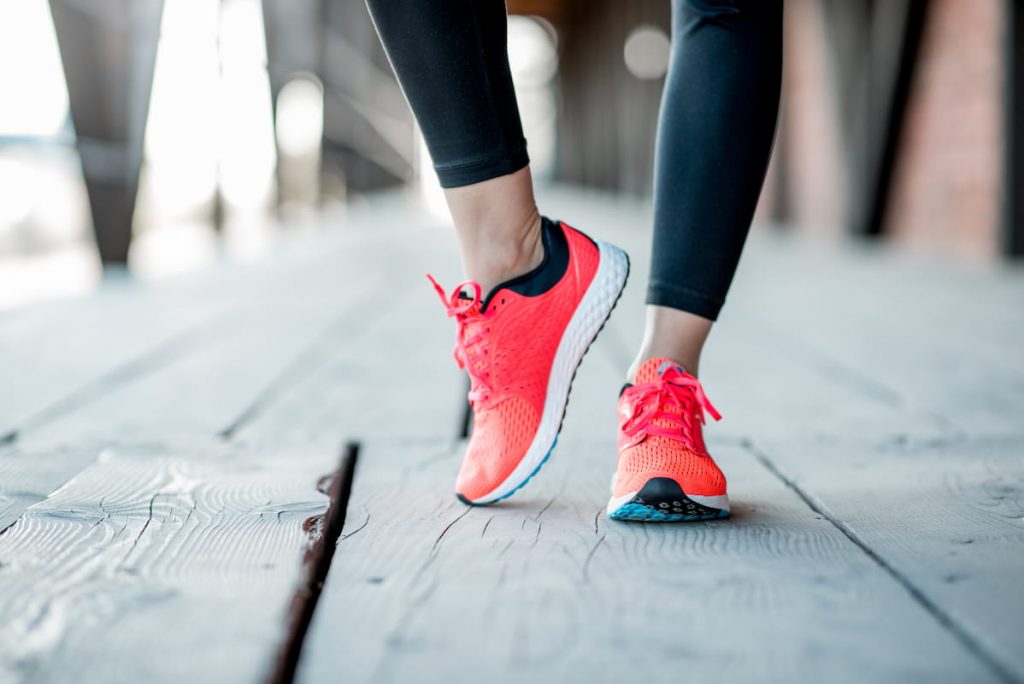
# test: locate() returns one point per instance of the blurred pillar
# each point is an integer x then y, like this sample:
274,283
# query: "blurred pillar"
1013,190
294,35
108,48
369,134
294,39
874,46
369,139
607,116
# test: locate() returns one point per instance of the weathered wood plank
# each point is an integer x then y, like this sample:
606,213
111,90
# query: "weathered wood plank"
205,391
940,338
276,332
800,379
61,355
871,408
27,477
280,326
907,477
892,469
53,353
407,387
924,331
947,517
200,387
57,357
392,374
833,381
545,586
159,562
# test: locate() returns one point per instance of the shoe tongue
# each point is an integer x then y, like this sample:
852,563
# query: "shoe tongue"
651,368
468,297
648,373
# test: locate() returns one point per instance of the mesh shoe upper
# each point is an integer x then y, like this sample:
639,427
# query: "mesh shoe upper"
508,347
661,416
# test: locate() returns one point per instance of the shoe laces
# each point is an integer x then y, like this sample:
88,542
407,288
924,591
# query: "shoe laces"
669,407
472,336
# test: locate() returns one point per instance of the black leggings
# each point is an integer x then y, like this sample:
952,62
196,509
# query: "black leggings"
715,129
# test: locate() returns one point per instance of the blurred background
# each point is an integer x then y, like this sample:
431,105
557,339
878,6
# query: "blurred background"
159,136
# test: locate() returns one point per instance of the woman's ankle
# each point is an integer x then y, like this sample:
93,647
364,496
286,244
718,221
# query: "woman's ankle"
672,334
691,364
499,227
500,253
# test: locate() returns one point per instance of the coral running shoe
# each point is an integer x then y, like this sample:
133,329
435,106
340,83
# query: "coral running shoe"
521,345
664,471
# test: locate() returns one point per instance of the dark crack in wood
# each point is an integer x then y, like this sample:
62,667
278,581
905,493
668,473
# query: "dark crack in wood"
325,531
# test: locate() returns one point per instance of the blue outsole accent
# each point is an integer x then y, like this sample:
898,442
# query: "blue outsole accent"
521,485
635,511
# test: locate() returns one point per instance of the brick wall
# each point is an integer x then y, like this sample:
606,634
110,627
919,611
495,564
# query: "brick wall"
948,182
946,193
810,196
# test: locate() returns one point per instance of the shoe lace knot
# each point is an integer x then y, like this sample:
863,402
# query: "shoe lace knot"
472,337
670,406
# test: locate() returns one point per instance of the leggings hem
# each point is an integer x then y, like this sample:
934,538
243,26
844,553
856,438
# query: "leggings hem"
684,299
456,174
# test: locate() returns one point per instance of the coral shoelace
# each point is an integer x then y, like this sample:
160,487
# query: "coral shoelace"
471,337
675,397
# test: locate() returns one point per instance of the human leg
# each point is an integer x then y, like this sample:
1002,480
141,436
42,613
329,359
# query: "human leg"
715,134
451,59
538,290
714,140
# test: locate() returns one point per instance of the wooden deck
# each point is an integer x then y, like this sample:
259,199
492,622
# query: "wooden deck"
175,485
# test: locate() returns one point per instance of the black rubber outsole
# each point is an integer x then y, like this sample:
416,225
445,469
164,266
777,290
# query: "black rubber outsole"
663,500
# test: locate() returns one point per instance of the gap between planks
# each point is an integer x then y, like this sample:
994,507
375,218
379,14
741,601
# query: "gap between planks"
143,363
314,355
338,487
940,615
835,371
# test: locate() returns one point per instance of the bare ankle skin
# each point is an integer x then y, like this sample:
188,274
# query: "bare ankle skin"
498,226
673,334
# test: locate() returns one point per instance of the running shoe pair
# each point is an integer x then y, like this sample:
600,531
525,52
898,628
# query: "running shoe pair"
521,345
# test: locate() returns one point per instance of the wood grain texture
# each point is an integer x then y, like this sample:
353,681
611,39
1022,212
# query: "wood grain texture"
60,358
277,328
883,392
27,477
267,322
545,586
62,353
901,471
929,335
936,338
889,391
173,530
946,517
392,373
159,562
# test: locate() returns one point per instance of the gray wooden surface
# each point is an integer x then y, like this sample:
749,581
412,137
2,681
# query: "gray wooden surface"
159,562
547,588
162,449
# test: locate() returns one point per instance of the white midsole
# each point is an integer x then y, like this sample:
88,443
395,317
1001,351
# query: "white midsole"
720,501
583,327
